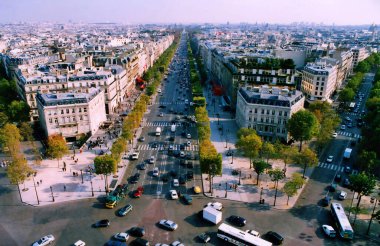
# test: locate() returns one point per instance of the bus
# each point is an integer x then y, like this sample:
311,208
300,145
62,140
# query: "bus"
344,227
235,236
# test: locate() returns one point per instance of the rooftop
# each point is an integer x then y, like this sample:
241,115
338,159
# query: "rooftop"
52,99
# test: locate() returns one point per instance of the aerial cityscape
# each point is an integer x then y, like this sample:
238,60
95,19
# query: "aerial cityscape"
191,122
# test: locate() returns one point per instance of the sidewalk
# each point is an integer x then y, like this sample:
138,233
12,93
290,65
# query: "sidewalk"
223,136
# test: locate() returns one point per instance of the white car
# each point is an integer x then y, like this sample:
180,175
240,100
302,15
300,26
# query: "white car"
44,241
177,243
329,230
161,114
217,205
121,236
330,159
151,160
182,154
343,127
173,194
342,195
335,135
175,182
188,136
155,172
168,224
79,243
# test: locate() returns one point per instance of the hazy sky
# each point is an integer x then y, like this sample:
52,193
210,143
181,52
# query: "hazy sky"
190,11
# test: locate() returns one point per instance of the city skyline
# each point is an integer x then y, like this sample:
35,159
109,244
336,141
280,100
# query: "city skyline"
337,12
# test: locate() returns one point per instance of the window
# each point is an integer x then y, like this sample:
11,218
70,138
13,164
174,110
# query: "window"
84,109
50,120
316,88
74,119
262,111
285,113
62,111
73,111
254,119
80,110
280,113
320,93
262,120
267,120
80,117
283,131
67,111
268,111
56,120
255,110
273,112
272,120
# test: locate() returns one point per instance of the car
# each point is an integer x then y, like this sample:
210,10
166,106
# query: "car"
162,106
204,237
142,139
135,178
177,243
353,143
136,231
161,114
175,182
274,237
346,182
343,127
172,138
151,160
138,192
347,169
182,162
348,119
79,243
140,242
332,187
114,243
142,166
161,244
335,135
342,195
181,147
165,177
253,233
121,236
189,164
182,154
173,194
168,224
182,179
326,201
48,239
188,143
188,136
102,223
338,178
187,199
173,173
349,125
197,189
154,145
190,175
217,205
329,159
155,172
125,210
329,231
237,220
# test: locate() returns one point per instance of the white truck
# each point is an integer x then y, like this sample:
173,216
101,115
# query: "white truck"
172,128
158,131
212,215
347,153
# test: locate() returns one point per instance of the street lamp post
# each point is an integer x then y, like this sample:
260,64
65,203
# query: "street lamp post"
225,196
81,174
35,189
92,189
261,194
239,176
372,215
226,142
52,195
232,155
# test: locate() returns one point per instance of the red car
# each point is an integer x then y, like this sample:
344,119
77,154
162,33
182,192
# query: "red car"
137,193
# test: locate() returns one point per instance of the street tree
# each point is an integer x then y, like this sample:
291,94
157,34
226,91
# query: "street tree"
367,161
243,132
363,184
290,189
249,146
346,95
298,180
26,131
302,126
118,148
307,158
210,161
18,171
267,151
10,138
57,147
286,154
276,175
18,111
3,119
259,166
105,165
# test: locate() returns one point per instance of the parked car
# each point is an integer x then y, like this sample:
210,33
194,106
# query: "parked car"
165,177
151,160
342,195
140,242
137,231
102,223
142,166
332,187
274,237
343,127
188,136
204,237
173,194
189,164
168,224
121,236
329,231
79,243
125,210
346,182
114,243
187,199
48,239
142,139
190,175
347,169
197,189
135,178
138,192
237,220
326,201
175,182
335,135
177,243
155,172
182,179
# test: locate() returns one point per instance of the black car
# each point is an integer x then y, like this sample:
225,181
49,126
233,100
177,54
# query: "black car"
162,106
134,179
189,164
346,182
182,162
204,238
165,177
274,237
102,223
154,145
137,231
142,166
114,243
176,153
183,134
181,146
326,201
190,175
173,173
338,178
182,179
121,190
237,220
140,242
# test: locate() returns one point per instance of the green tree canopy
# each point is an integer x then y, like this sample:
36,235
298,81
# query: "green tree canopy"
250,146
10,138
260,166
302,126
290,189
307,158
105,164
26,131
57,147
276,175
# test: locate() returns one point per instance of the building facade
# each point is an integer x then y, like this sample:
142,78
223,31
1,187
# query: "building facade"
267,110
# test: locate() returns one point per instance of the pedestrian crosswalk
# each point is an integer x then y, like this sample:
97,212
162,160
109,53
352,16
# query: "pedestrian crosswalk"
331,166
349,134
165,123
165,147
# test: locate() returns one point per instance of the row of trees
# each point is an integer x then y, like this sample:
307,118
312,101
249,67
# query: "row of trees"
196,85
